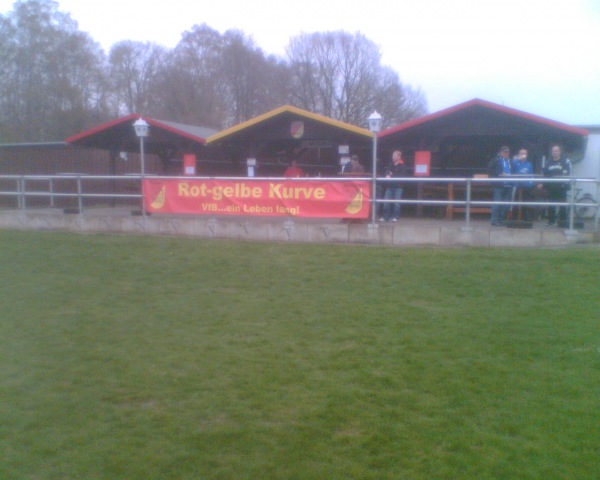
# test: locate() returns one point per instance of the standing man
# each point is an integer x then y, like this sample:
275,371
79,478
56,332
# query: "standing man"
557,166
393,190
502,191
522,166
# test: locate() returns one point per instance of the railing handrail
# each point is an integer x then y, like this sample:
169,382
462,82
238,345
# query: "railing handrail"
22,193
137,176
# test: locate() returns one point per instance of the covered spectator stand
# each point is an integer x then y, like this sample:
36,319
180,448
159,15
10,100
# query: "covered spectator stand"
166,144
288,133
463,138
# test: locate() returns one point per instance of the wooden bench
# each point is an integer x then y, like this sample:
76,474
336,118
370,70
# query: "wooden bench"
479,191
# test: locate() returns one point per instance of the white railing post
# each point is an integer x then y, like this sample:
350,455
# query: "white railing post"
79,198
572,205
468,205
51,192
22,196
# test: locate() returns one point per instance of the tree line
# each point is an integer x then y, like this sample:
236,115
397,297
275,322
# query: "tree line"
56,80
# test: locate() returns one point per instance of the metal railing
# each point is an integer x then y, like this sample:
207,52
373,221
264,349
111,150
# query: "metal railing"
86,191
54,188
468,203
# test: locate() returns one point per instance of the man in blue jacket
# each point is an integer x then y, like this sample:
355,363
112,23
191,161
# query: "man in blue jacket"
502,191
522,166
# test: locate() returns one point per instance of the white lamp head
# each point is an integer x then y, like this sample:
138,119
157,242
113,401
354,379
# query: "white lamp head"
375,122
141,127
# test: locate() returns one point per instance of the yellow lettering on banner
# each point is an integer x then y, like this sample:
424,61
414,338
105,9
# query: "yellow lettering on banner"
257,209
237,190
242,190
293,211
231,208
277,190
274,190
185,190
210,207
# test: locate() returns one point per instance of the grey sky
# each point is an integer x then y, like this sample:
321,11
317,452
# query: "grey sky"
540,56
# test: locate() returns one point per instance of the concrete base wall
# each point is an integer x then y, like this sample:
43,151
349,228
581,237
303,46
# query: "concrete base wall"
404,233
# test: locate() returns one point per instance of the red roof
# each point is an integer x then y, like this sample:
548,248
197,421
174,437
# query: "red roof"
102,135
476,102
105,126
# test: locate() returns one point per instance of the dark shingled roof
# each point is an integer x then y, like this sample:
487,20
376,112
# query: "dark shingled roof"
120,135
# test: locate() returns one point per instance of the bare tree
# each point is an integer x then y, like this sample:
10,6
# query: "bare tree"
398,102
217,80
250,78
190,89
134,68
340,75
55,80
51,82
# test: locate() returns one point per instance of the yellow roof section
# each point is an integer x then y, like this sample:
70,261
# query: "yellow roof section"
289,109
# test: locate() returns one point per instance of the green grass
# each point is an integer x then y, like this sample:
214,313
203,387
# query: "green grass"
166,358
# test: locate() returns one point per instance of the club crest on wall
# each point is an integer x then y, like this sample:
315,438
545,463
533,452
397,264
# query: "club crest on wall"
297,129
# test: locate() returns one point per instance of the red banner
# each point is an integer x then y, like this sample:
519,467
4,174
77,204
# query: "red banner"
305,198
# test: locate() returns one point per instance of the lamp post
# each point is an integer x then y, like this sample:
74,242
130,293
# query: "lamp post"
141,130
375,127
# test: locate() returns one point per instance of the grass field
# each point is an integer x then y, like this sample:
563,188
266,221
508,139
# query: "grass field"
165,358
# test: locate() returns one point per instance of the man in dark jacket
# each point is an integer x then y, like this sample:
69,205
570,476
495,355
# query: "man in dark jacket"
557,166
393,190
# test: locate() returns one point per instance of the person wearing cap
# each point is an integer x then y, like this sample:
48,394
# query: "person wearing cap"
502,191
355,167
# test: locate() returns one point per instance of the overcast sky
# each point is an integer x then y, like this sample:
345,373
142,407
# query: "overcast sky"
540,56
